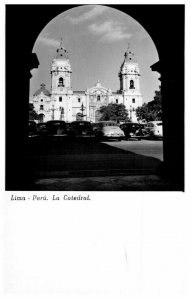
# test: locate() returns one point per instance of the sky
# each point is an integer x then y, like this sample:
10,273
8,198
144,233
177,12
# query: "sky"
96,37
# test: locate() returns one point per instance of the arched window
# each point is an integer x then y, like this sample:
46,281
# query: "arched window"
98,98
41,107
61,82
132,84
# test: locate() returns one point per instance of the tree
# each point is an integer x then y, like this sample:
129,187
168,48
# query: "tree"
32,113
142,113
151,111
114,112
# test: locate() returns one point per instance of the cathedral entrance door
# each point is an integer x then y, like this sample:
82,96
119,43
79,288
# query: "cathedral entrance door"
79,117
97,115
41,118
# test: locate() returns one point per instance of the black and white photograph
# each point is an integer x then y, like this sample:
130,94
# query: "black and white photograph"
95,192
95,98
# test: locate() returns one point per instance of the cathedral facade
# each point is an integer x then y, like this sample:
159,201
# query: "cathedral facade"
62,103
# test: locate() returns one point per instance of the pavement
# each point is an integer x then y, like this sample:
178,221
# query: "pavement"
88,158
107,183
86,165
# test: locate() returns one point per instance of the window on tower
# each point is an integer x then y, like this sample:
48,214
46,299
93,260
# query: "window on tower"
133,100
116,101
60,83
78,100
132,84
60,99
98,98
41,107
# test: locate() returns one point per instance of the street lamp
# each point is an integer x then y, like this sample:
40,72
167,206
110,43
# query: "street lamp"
82,109
61,113
131,110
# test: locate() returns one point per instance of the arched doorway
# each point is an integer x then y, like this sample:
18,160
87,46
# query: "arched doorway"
79,117
41,118
143,51
97,115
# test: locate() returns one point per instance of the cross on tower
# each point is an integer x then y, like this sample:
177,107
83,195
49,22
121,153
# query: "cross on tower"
128,47
128,54
61,42
53,111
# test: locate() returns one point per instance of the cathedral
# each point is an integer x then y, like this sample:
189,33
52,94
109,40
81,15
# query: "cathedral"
62,103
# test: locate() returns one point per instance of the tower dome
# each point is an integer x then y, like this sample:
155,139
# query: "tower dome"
42,90
62,53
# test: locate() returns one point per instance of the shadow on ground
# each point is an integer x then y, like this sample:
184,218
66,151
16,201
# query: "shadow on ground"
86,157
89,165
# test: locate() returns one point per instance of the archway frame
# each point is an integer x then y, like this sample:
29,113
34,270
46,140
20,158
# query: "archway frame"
170,66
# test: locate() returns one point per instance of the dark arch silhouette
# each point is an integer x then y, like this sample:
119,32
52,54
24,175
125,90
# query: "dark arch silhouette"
168,37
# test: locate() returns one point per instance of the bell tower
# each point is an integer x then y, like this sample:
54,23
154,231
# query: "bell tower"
61,72
129,76
129,73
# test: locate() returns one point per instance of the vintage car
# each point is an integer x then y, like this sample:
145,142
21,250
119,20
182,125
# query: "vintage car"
154,129
81,129
42,129
32,129
108,130
56,128
133,130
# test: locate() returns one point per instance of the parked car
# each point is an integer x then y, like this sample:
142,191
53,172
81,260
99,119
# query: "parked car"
68,125
56,128
81,129
42,129
133,130
154,129
32,129
108,130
